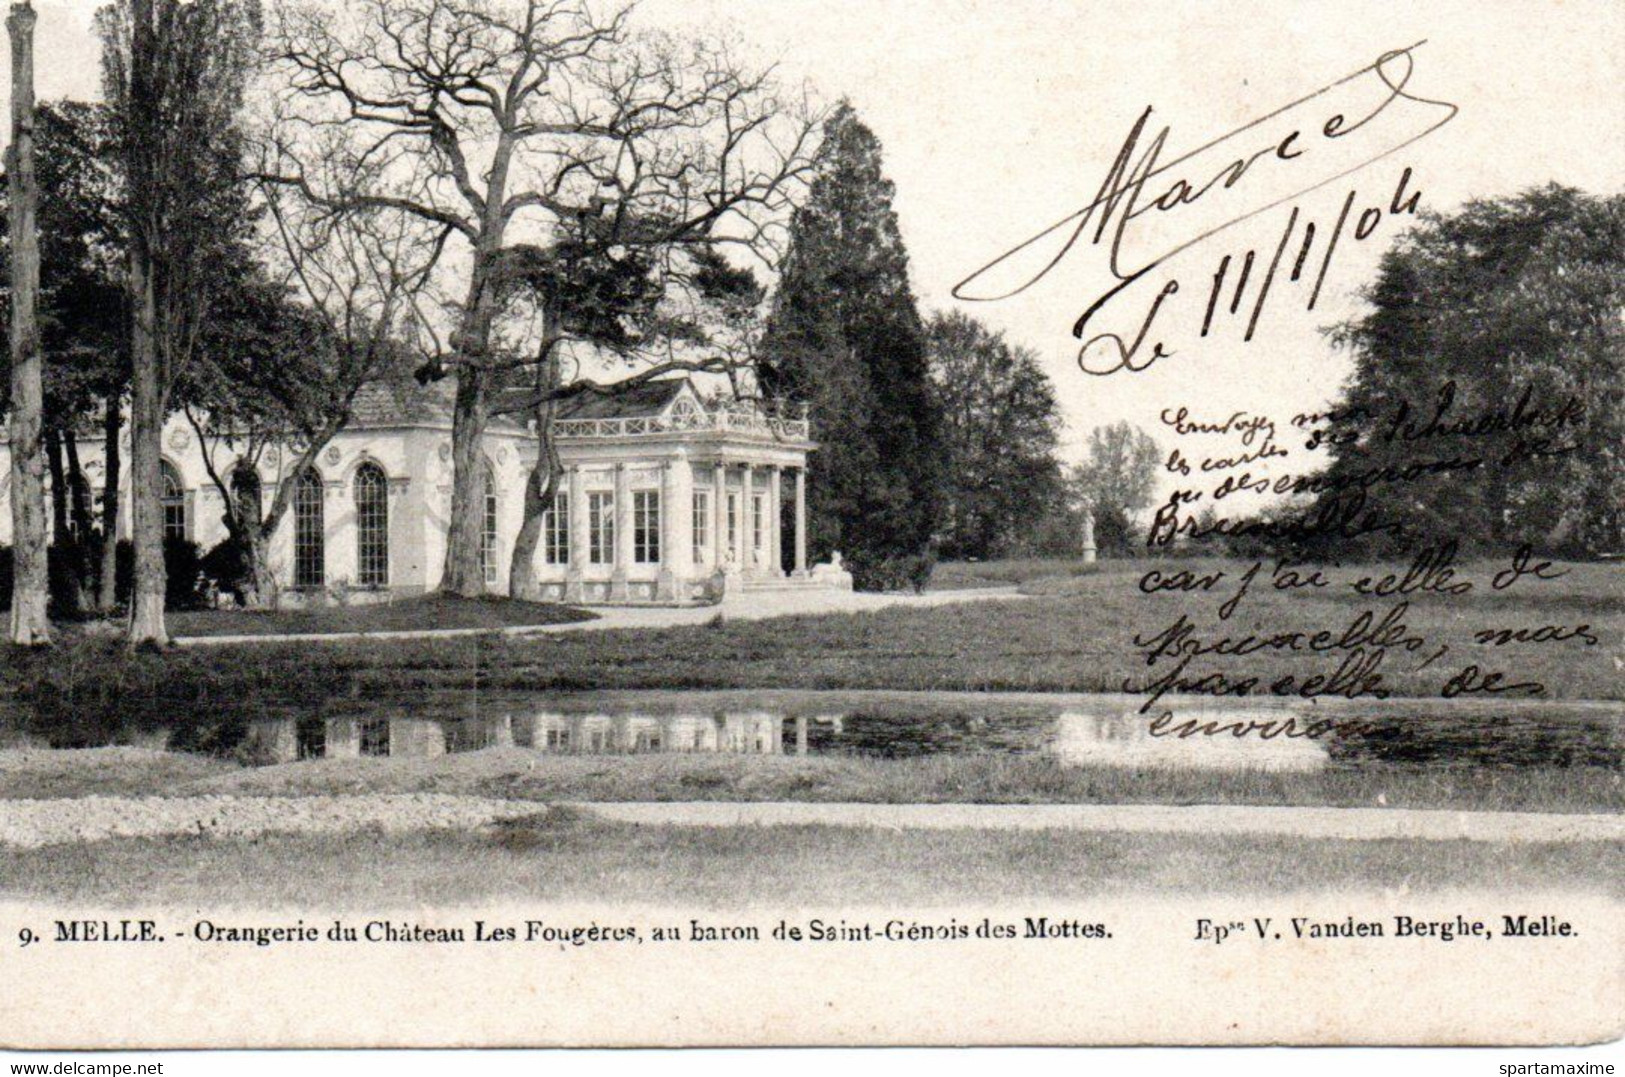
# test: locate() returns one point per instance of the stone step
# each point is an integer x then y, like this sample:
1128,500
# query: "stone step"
806,583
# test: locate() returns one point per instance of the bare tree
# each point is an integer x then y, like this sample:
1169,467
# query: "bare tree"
282,377
515,121
173,77
30,623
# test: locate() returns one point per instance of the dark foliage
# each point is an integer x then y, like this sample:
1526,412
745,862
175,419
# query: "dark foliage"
181,562
845,336
1479,321
999,428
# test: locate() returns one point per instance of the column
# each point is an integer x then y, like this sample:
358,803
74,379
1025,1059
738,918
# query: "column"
574,589
775,544
801,521
746,551
618,589
719,517
676,529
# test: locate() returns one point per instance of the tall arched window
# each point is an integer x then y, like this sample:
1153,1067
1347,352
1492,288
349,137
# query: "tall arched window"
173,499
488,525
371,526
309,550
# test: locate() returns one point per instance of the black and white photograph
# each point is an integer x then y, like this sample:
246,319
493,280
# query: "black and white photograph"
772,523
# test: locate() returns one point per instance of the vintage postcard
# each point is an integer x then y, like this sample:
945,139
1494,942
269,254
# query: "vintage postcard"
536,523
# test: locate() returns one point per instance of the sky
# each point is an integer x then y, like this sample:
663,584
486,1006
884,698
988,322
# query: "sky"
997,119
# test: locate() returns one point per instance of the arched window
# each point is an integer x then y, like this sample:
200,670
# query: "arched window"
309,552
371,526
245,491
173,499
488,525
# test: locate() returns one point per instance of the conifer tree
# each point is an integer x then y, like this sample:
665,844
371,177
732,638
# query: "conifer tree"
846,337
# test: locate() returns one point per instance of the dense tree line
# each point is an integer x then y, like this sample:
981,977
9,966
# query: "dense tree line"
1494,343
1000,425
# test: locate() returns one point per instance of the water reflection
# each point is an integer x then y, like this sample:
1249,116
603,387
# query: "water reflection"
1074,737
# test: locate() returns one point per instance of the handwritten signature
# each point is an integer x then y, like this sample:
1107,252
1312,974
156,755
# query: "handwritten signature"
1278,155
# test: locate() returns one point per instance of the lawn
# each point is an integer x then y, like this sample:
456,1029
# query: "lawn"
401,615
1081,639
560,856
968,575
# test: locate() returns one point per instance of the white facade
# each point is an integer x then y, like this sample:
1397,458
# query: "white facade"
665,499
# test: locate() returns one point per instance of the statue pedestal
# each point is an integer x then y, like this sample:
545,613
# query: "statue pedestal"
669,587
832,575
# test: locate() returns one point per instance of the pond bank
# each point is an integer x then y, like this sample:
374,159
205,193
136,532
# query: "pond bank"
515,773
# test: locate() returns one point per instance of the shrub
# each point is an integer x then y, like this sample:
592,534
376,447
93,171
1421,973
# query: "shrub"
227,565
182,566
66,566
894,573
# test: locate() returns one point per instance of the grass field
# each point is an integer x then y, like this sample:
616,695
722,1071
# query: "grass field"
1079,640
560,856
402,615
968,575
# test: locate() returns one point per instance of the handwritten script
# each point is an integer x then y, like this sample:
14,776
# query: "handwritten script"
1428,626
1149,209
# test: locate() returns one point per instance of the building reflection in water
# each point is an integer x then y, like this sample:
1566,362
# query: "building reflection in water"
1125,740
1100,739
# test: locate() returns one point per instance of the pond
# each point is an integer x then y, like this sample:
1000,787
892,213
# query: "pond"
1097,730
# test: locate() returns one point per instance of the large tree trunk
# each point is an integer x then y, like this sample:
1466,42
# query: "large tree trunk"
84,576
463,575
263,591
59,487
267,591
146,475
144,181
107,580
539,487
30,596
